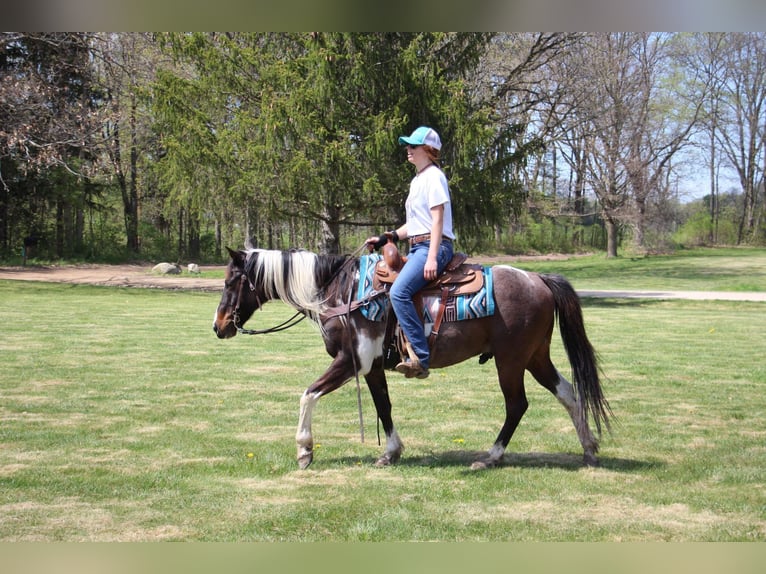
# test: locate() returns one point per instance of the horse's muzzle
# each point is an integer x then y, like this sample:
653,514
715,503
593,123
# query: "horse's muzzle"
224,329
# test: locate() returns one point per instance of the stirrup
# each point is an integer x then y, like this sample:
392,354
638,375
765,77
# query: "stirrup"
410,365
412,369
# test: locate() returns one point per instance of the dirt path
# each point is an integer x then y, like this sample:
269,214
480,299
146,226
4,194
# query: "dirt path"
142,276
113,275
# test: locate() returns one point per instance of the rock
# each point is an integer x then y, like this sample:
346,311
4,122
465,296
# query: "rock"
193,268
166,269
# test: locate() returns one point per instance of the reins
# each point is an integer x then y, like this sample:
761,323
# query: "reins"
291,322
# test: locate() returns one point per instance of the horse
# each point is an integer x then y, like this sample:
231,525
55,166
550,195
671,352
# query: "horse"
518,335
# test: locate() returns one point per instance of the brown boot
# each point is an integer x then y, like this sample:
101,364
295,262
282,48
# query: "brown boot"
412,369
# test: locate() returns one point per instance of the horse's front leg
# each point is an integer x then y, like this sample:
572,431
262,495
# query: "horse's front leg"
341,370
303,436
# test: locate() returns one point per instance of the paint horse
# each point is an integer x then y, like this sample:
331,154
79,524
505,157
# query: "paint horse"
517,334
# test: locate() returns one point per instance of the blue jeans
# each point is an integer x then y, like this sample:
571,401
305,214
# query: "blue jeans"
409,282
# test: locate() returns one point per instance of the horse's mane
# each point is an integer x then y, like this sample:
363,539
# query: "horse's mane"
299,278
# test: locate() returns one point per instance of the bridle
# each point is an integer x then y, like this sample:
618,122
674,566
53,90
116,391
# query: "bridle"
292,321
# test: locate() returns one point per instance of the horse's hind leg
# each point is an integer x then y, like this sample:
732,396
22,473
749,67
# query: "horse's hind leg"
549,377
511,378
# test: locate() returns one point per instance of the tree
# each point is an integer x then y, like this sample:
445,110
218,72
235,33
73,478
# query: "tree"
514,89
634,117
703,59
739,112
307,124
49,118
126,64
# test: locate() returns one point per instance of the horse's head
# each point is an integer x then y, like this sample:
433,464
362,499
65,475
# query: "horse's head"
240,297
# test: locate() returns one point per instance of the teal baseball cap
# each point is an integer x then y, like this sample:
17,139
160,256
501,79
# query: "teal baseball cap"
422,136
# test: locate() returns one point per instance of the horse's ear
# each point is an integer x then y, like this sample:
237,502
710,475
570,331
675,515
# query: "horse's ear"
249,244
237,257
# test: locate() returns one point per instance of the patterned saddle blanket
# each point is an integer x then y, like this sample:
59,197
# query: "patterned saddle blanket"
460,307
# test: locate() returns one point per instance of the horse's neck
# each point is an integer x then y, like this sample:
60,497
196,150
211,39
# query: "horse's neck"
309,282
333,275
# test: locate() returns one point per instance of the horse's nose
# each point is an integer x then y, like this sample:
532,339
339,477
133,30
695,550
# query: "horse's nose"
220,332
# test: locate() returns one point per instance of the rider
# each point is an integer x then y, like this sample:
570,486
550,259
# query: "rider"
429,229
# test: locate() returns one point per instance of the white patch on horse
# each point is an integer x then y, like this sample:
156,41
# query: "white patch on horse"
565,394
303,435
394,445
368,350
496,452
513,270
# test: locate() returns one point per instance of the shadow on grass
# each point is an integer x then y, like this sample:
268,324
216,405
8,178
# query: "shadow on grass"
465,458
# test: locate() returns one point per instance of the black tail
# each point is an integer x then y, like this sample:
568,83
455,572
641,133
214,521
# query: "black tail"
582,356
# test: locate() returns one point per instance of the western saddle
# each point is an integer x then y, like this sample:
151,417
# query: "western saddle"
458,278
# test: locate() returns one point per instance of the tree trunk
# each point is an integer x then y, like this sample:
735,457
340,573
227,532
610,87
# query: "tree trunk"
181,246
330,229
127,189
611,237
218,239
60,227
640,223
192,232
713,188
131,206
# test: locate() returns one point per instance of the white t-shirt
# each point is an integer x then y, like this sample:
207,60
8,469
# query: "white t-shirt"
428,189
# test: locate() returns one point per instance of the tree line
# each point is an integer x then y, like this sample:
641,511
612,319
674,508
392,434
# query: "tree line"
139,145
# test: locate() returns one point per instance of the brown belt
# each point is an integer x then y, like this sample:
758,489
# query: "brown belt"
425,237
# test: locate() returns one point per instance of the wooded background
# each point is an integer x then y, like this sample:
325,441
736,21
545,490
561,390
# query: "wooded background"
119,146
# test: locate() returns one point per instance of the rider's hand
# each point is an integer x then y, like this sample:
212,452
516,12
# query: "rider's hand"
429,271
375,242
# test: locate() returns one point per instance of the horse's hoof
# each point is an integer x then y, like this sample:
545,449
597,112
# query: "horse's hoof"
305,460
387,460
484,464
590,460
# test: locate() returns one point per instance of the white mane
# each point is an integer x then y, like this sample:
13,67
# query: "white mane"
299,289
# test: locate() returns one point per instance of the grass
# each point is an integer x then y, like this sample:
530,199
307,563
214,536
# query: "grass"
124,418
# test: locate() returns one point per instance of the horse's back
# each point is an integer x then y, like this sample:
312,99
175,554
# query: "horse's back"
519,291
523,320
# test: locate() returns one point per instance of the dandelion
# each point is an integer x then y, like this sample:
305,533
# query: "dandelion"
458,440
250,455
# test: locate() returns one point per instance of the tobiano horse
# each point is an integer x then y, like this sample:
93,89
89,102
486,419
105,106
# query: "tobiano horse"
517,334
